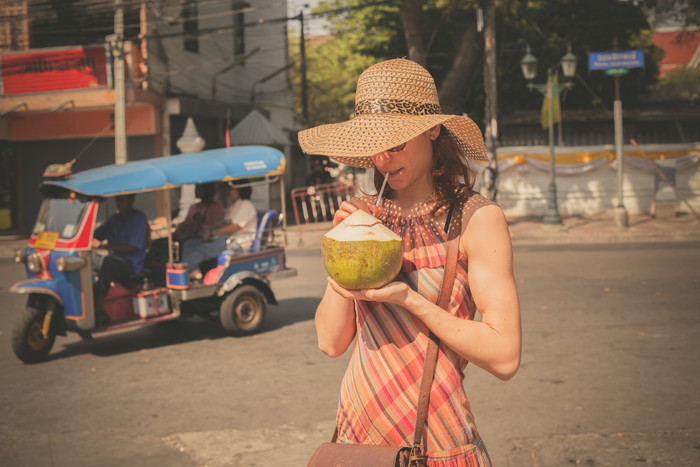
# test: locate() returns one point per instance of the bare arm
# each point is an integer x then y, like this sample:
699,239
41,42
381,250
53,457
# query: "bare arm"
118,247
335,315
335,323
228,229
493,344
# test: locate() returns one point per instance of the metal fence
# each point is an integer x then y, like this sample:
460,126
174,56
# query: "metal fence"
314,205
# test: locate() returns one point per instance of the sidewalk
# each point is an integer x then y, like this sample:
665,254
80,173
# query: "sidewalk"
602,229
574,230
524,231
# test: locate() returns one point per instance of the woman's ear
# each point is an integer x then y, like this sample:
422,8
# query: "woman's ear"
434,132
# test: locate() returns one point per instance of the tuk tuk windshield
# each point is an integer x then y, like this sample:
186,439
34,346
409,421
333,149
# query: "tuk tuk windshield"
61,215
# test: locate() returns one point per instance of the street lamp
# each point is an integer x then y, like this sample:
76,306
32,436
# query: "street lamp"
550,90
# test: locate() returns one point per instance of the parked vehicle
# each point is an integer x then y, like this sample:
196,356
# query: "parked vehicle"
59,257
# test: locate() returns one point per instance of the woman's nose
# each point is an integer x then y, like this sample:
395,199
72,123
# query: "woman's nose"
381,158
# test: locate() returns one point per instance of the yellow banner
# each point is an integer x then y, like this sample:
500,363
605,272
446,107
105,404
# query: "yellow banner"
584,157
544,115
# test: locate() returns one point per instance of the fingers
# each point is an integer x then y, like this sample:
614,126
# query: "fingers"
343,292
340,216
394,292
376,210
349,206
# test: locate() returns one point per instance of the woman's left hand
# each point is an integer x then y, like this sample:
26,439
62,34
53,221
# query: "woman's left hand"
394,292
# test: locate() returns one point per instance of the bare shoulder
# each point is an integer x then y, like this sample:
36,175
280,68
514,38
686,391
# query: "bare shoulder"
483,222
481,212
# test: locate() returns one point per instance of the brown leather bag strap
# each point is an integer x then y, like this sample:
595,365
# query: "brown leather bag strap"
432,350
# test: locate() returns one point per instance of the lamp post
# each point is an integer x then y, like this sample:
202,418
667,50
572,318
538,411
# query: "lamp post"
551,91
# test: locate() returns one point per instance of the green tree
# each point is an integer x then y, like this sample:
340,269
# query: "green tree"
443,36
332,71
549,26
684,12
439,34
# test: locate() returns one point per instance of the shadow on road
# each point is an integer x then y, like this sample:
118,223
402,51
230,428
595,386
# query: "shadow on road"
290,311
286,313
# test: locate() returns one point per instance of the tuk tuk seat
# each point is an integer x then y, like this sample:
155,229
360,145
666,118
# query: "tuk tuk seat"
265,220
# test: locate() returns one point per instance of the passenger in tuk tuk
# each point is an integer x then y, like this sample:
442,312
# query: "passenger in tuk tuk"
236,233
202,216
126,233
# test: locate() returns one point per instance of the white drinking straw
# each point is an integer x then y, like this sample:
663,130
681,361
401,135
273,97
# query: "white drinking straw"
381,190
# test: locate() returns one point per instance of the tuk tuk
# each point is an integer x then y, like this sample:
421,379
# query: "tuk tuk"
59,258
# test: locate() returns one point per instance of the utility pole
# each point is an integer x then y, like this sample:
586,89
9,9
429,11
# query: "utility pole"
620,213
304,83
116,41
491,88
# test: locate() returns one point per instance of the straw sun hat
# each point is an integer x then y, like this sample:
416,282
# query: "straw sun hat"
396,100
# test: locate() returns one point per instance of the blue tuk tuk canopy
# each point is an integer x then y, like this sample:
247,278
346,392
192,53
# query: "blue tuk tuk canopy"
215,165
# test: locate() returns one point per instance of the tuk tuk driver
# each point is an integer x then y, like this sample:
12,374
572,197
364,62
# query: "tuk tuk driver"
126,233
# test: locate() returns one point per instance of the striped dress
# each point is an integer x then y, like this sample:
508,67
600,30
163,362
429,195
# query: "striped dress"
379,392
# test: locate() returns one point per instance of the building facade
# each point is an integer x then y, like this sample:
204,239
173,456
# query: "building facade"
209,61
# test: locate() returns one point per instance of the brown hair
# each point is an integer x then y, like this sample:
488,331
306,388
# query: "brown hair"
448,167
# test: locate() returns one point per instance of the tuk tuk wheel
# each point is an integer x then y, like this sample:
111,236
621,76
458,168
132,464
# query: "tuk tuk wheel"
28,342
243,311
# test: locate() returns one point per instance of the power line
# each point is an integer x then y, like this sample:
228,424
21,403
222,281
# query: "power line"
105,7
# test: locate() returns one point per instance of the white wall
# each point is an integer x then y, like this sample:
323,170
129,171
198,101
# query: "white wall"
213,73
523,189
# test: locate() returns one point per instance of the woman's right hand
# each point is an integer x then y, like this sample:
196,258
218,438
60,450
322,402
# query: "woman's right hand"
352,205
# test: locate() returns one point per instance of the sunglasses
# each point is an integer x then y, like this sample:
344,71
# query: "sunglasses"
398,148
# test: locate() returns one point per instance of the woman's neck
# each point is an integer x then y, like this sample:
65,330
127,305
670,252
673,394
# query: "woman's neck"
413,196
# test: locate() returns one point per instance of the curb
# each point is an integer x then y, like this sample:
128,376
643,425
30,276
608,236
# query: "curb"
523,233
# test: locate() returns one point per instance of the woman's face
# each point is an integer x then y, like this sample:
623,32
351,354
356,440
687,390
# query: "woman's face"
409,167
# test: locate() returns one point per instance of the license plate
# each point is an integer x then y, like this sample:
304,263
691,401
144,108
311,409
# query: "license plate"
46,240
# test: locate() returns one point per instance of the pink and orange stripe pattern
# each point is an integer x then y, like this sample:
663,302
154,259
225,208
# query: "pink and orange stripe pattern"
379,393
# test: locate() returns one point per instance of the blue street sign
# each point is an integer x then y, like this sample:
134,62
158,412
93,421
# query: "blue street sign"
622,59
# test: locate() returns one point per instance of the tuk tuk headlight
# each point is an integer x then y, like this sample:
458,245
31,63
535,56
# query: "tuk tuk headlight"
60,264
33,262
19,256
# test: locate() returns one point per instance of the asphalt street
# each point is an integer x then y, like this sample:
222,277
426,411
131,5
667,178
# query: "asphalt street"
609,375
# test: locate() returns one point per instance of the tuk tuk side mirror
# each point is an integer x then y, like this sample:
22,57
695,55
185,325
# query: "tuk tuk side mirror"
70,263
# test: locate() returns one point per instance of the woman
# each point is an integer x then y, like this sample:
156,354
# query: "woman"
399,129
202,216
236,232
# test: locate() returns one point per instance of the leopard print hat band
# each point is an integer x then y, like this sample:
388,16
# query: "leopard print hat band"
395,106
395,101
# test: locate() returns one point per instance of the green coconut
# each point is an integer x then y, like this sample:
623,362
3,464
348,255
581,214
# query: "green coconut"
361,253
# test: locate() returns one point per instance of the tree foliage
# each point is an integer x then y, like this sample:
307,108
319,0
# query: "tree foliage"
332,71
366,31
549,26
684,12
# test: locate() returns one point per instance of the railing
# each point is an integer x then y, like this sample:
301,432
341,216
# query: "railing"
317,204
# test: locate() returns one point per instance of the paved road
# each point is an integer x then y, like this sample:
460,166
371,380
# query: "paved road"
609,376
